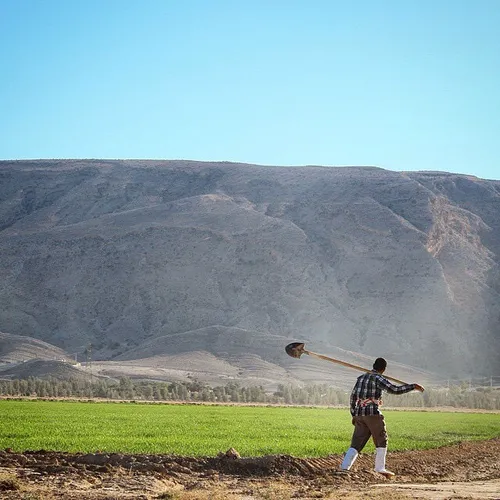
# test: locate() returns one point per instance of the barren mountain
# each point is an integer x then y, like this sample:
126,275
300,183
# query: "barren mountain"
43,369
249,357
18,348
167,258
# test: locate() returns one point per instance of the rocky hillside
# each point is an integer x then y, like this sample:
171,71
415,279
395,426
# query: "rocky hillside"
42,369
20,348
133,255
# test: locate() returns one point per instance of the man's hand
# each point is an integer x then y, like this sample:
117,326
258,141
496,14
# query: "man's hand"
419,388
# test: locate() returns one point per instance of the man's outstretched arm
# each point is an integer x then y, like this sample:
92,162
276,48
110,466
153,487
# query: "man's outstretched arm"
398,389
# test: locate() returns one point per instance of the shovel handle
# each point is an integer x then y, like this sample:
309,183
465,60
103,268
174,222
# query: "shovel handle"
349,365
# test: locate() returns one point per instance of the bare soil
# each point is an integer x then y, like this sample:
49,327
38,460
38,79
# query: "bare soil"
469,470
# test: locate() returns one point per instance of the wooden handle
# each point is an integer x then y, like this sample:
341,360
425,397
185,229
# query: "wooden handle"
349,365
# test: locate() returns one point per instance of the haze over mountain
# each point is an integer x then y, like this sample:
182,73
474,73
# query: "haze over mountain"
223,264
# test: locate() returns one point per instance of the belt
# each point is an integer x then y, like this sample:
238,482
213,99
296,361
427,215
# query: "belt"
365,402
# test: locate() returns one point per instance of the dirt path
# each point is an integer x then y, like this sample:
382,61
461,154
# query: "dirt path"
470,470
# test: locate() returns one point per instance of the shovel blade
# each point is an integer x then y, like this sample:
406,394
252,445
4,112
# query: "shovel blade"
295,349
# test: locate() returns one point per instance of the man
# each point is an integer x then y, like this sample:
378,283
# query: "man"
367,418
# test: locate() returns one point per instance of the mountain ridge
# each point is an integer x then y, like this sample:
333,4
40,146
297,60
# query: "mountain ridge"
119,252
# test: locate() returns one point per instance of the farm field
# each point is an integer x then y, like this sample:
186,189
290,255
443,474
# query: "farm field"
125,450
198,430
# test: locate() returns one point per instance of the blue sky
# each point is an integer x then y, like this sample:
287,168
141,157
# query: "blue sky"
403,85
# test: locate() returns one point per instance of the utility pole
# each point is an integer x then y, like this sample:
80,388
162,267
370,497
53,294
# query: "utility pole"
88,355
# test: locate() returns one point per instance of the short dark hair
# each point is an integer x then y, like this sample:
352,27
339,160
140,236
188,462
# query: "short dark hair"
380,364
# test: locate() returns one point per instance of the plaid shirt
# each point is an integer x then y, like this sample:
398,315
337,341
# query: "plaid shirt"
367,391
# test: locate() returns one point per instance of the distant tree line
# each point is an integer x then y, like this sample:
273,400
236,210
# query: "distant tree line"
195,391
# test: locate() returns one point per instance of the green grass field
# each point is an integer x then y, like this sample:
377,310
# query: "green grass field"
197,430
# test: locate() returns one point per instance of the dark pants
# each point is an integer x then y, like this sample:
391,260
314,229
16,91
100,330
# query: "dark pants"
366,426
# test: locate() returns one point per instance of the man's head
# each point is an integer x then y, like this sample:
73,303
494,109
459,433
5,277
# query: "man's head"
380,365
